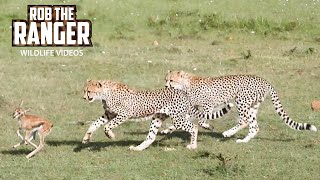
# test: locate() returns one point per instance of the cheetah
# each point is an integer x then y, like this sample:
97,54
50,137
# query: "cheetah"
121,103
248,92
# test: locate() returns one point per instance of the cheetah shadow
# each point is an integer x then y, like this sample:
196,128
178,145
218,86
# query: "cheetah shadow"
215,135
93,146
275,139
184,135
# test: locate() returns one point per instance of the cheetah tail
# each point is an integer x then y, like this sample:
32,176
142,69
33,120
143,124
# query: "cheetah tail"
214,114
284,116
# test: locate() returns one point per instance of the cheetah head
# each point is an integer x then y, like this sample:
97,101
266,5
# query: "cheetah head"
177,80
93,90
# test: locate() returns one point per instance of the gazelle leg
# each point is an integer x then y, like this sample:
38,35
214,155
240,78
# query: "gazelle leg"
28,137
20,136
42,134
17,145
33,135
41,137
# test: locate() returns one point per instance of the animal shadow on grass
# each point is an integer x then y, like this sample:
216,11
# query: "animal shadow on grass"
27,150
215,135
257,138
185,136
276,139
16,151
94,146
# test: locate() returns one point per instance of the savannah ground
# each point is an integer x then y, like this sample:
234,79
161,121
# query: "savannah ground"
277,40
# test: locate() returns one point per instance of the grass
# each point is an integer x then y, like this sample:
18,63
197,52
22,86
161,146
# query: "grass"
233,37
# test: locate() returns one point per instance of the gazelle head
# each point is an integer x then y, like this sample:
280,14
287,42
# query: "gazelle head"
19,111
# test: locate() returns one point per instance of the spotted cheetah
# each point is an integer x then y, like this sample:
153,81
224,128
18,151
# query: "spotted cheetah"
247,91
122,103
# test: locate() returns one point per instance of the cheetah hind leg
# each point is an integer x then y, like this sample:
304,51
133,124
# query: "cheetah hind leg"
191,128
194,137
253,125
156,122
243,108
253,130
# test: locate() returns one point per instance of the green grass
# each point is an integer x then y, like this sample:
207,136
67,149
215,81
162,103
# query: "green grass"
282,37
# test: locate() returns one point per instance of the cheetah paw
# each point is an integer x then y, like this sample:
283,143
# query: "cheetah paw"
212,129
208,127
28,156
85,141
227,134
231,105
192,146
135,148
242,140
110,135
164,132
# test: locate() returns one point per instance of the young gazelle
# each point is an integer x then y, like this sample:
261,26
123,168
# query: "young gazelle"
31,124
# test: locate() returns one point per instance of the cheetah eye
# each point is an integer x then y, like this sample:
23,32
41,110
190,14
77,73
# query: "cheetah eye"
171,80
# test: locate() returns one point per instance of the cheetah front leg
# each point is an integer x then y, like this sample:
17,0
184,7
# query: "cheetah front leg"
93,127
119,119
156,123
243,109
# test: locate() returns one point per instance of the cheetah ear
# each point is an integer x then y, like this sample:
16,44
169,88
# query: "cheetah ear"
20,105
99,84
88,80
182,73
169,71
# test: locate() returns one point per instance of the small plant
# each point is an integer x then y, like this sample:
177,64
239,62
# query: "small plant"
310,50
226,165
247,54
